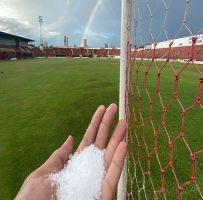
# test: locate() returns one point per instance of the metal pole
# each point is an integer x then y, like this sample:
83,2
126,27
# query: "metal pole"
41,36
125,40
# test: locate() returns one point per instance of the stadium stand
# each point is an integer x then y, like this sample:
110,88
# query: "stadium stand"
199,53
77,52
114,52
37,52
69,52
176,53
60,52
102,52
49,52
13,46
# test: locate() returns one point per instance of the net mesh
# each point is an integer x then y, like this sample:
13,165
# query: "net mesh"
163,100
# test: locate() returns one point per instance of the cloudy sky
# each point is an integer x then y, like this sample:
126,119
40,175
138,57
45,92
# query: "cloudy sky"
63,17
98,20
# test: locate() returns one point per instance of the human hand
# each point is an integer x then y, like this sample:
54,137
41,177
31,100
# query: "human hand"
38,186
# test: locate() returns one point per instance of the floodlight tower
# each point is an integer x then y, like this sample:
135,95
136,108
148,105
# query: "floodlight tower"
41,36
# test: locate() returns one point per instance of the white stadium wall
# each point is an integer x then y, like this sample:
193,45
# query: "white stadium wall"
180,42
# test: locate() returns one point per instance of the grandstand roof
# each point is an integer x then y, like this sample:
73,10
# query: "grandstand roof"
8,35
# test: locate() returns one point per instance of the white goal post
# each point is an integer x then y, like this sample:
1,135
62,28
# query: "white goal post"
124,59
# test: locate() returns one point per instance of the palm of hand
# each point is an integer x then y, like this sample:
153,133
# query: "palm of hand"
38,186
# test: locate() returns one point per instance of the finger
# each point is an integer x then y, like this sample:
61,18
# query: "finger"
115,140
57,160
113,174
105,126
91,132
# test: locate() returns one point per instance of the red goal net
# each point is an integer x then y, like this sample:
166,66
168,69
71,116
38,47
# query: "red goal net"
164,100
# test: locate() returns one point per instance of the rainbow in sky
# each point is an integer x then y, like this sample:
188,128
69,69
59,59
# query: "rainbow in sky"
89,22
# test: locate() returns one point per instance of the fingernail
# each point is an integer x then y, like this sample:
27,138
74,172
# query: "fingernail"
70,137
113,104
102,106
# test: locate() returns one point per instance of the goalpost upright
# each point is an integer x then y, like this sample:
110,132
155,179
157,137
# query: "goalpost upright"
124,61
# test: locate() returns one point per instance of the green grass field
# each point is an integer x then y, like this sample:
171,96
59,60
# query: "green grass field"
43,101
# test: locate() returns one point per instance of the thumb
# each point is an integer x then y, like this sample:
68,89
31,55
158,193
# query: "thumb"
57,160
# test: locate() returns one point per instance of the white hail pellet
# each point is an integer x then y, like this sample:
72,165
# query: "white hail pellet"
82,176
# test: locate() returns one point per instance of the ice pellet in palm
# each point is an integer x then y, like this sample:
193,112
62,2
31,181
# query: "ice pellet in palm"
82,176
